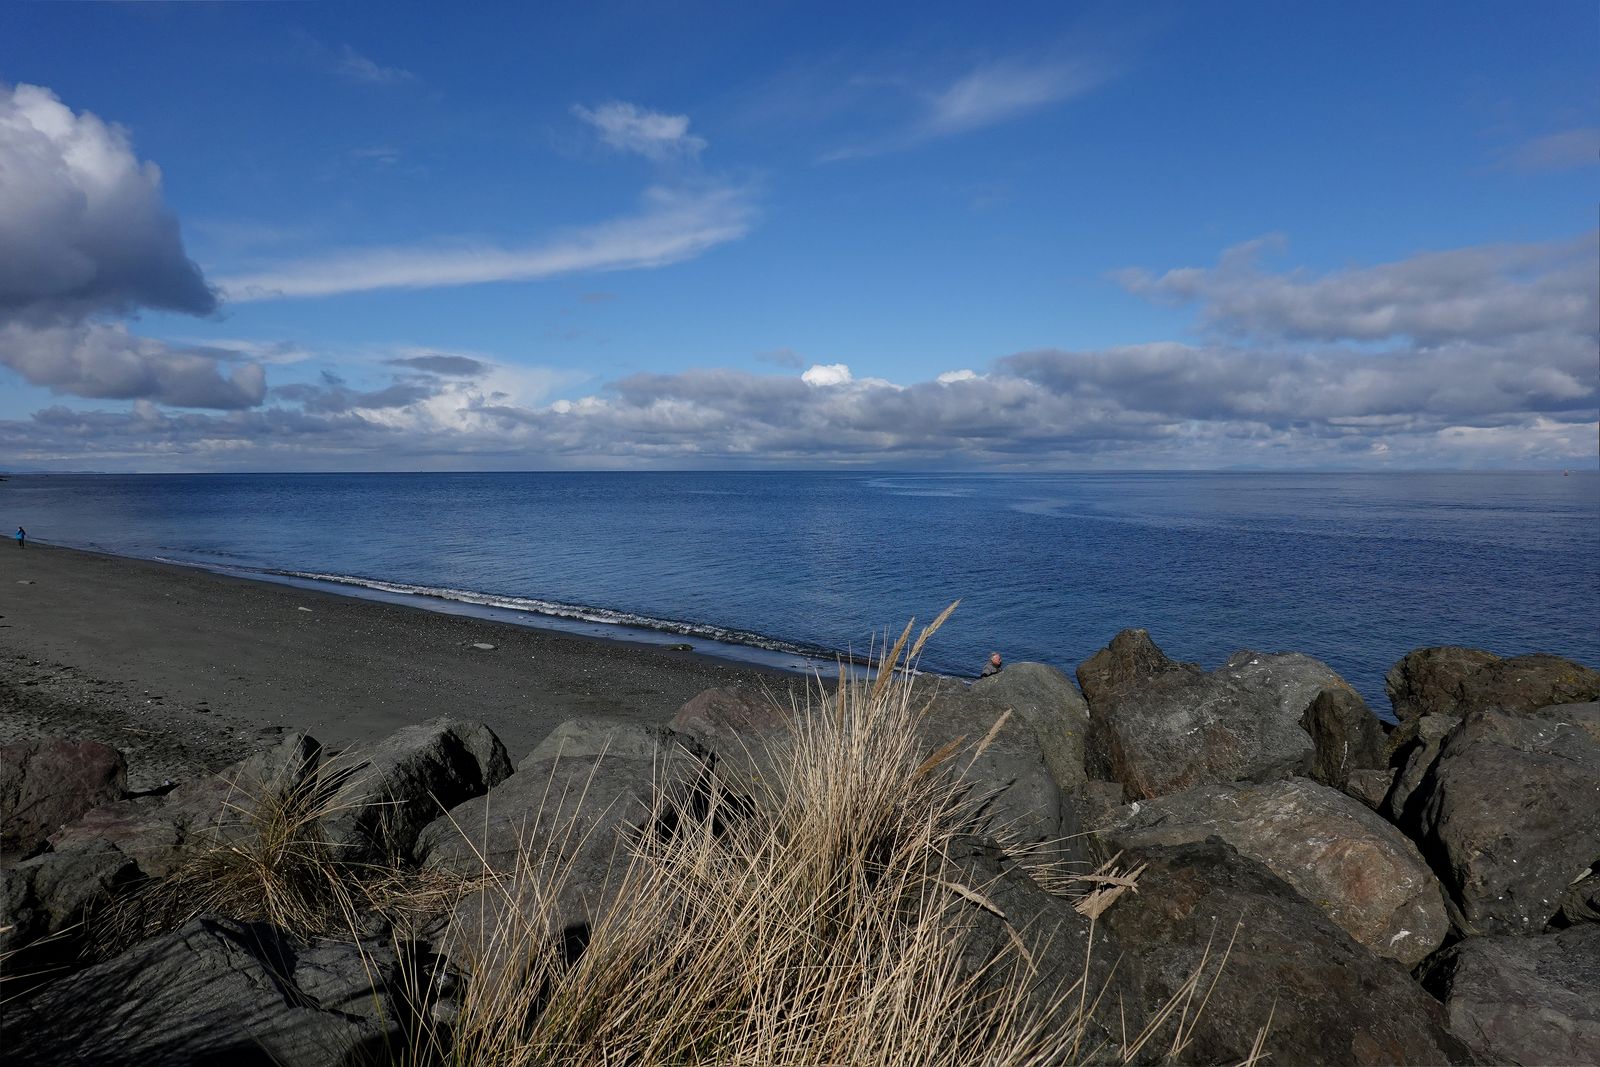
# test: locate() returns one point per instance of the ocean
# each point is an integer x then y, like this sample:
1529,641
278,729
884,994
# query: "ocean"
793,569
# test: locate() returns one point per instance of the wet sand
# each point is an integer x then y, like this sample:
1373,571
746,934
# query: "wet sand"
182,668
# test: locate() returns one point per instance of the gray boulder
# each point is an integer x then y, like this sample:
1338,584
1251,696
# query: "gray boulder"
1457,681
1347,736
1338,854
1510,813
1160,727
1048,701
561,823
1371,787
744,730
45,900
1332,1001
46,784
1531,1000
213,991
407,781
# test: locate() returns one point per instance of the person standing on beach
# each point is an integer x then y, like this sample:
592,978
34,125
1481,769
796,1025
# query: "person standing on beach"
22,537
992,668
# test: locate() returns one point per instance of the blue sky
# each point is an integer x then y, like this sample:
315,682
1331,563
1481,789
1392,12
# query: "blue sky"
679,235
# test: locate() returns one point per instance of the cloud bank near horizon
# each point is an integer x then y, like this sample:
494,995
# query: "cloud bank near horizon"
1480,356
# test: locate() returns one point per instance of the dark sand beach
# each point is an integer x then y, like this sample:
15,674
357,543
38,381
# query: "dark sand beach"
182,668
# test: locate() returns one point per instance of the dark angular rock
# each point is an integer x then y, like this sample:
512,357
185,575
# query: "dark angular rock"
1457,681
1159,728
1429,681
1510,814
408,780
1339,855
1131,658
45,900
1332,1001
214,991
1347,736
1530,1000
1049,702
46,784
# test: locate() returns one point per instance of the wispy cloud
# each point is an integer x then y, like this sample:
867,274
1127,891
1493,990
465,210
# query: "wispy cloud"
1563,150
353,66
652,134
988,95
1000,92
674,226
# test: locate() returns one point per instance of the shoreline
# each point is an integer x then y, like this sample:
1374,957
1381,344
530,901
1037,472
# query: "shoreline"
186,665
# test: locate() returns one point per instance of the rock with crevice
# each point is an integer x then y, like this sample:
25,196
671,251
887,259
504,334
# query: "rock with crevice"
1048,701
1347,737
1450,680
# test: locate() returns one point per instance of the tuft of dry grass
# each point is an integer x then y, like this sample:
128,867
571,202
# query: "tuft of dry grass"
820,922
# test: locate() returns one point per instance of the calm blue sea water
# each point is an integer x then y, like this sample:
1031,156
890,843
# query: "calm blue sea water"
1355,569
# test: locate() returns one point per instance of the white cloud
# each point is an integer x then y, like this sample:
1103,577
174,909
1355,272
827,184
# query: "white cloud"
1468,294
826,374
104,361
652,134
676,225
950,377
999,92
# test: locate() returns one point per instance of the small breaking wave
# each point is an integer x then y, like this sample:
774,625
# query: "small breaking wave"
555,609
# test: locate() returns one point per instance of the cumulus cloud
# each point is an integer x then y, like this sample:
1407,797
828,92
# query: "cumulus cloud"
82,221
1470,294
652,134
826,374
85,236
675,225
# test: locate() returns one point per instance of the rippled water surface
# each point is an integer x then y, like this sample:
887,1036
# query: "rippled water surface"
1355,569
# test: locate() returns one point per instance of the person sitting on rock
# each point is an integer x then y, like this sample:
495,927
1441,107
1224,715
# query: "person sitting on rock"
993,666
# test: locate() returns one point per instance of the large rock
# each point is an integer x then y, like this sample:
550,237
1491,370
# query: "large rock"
1581,902
1049,702
1429,681
1160,727
407,781
563,820
1457,681
46,784
1331,1000
1347,736
1510,813
745,731
214,991
1339,855
157,832
1531,1000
